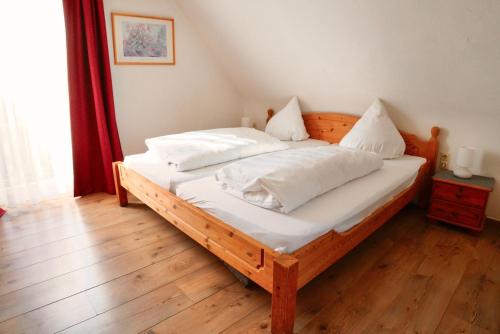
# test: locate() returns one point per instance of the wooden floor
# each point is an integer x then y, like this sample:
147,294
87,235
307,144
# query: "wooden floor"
89,266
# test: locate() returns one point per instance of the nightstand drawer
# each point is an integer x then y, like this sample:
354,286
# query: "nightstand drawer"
456,214
460,194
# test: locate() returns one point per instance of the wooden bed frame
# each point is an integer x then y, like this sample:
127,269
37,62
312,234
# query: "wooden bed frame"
280,274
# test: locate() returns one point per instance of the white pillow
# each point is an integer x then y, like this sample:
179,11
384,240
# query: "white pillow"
375,132
288,123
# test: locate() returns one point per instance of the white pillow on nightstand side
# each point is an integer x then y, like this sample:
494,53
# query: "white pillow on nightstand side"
375,132
288,123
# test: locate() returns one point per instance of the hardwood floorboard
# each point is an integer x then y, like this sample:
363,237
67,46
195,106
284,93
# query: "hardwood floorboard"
151,308
445,269
51,318
112,294
92,238
475,304
36,216
215,313
76,314
64,232
42,271
89,266
355,269
371,293
131,286
38,295
63,221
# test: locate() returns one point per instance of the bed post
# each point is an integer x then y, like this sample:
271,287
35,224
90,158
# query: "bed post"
121,193
432,157
285,276
270,114
432,154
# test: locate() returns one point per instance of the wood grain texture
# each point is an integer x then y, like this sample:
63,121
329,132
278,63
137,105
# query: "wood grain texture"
121,193
408,276
42,271
50,250
160,304
285,275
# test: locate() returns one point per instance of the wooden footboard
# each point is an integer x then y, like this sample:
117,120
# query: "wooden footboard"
280,274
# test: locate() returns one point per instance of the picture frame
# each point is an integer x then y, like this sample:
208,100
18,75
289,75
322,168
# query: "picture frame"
143,40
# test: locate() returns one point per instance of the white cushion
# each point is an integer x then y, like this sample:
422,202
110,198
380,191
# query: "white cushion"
288,123
375,132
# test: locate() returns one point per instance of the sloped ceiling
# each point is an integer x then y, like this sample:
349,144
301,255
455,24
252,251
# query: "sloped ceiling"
434,62
333,53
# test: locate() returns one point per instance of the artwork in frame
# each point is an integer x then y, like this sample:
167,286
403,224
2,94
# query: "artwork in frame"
139,39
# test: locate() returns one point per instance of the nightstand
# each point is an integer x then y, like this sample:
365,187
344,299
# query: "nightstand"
459,201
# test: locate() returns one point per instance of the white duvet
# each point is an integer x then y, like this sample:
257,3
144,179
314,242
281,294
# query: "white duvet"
285,180
197,149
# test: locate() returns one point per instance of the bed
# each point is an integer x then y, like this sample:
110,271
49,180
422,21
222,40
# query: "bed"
282,271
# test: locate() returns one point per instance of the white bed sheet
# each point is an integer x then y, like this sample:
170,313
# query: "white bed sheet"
339,209
166,176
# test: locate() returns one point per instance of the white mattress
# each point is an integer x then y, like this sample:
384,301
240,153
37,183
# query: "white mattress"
339,209
164,175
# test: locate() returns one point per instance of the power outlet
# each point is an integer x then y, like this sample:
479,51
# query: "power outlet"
443,160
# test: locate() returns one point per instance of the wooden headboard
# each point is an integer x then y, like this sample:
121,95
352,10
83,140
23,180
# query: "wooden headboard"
332,127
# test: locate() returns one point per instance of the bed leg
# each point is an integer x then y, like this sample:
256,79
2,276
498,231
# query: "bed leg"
285,275
121,193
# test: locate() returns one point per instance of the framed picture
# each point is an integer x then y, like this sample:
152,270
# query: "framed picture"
141,39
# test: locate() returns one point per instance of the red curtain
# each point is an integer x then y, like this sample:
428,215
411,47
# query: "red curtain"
94,133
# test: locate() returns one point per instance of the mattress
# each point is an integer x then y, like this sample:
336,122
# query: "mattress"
339,209
166,176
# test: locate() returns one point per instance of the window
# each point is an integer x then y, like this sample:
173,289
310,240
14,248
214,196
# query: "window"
35,137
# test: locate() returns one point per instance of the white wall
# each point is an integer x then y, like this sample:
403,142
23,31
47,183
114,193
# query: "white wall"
434,62
153,100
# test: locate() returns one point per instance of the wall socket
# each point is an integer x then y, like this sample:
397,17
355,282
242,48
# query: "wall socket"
443,160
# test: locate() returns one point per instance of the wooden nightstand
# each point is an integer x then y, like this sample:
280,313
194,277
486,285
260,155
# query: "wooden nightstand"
460,201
